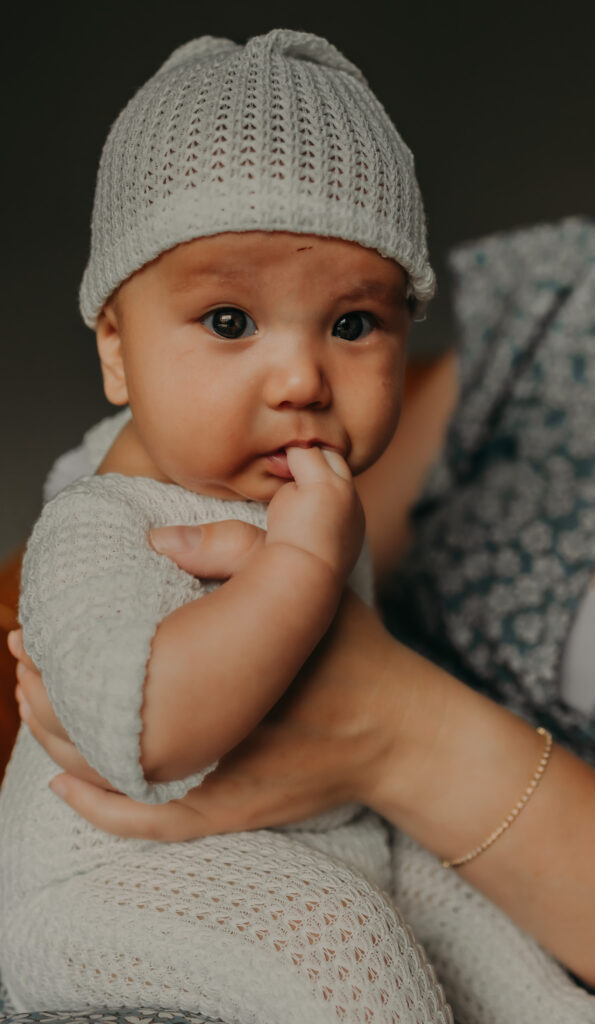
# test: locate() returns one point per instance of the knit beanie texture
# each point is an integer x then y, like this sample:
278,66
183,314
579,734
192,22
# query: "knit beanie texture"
282,134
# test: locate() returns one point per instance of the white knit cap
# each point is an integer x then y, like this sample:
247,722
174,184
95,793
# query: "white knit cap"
282,134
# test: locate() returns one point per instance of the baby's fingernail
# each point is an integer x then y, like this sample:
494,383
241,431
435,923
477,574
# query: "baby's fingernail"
336,462
58,786
174,540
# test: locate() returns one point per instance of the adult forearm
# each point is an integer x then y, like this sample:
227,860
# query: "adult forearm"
218,664
455,766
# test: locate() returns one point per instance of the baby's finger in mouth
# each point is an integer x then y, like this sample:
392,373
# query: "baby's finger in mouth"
310,465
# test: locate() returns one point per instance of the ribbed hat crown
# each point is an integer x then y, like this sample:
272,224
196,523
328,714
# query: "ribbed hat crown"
282,134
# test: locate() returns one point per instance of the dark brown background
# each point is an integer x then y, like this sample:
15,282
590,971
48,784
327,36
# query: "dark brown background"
495,99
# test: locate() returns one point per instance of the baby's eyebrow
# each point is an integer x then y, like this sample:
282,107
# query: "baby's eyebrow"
188,279
391,294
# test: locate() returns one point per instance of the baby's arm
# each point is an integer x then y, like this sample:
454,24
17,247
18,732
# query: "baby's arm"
95,596
219,663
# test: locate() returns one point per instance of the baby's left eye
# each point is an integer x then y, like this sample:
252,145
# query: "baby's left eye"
354,326
229,322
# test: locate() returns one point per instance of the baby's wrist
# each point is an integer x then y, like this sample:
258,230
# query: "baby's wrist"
302,561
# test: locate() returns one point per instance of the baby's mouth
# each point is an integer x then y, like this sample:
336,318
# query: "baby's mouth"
277,464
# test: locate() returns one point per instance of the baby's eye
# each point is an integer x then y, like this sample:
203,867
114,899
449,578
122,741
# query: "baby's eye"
353,326
229,322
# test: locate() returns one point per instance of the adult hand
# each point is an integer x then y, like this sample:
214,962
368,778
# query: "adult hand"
321,745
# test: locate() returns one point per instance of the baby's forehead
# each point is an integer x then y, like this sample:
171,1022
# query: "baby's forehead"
257,255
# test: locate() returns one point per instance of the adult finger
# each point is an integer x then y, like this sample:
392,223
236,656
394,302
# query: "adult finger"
311,465
212,551
121,816
270,779
32,694
15,645
62,751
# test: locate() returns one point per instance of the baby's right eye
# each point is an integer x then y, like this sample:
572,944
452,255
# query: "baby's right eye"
229,322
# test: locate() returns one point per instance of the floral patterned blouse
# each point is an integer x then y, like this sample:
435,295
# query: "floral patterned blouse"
504,549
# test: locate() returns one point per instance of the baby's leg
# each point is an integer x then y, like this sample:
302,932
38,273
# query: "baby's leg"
491,971
254,927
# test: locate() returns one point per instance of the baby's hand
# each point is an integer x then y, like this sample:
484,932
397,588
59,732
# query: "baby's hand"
319,511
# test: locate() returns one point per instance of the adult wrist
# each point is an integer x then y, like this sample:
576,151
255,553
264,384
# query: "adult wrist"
379,701
409,714
456,761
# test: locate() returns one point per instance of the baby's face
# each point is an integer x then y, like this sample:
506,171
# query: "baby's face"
232,348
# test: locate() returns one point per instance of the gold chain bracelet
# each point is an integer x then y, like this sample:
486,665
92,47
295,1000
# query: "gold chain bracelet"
518,807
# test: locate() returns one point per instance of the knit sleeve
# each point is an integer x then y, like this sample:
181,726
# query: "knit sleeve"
93,592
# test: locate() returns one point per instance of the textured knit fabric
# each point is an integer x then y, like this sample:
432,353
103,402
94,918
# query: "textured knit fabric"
89,920
282,134
93,593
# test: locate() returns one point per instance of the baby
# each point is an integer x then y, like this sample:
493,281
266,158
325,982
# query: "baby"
258,245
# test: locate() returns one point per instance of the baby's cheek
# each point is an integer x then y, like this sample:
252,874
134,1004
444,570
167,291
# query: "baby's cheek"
387,397
379,421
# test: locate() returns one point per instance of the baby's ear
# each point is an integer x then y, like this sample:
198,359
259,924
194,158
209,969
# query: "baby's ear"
109,346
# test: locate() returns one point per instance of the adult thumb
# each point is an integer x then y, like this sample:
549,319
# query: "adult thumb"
213,551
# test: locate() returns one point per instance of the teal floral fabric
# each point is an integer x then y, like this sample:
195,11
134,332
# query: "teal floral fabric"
505,531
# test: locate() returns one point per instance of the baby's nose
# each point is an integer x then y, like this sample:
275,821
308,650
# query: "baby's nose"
298,379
